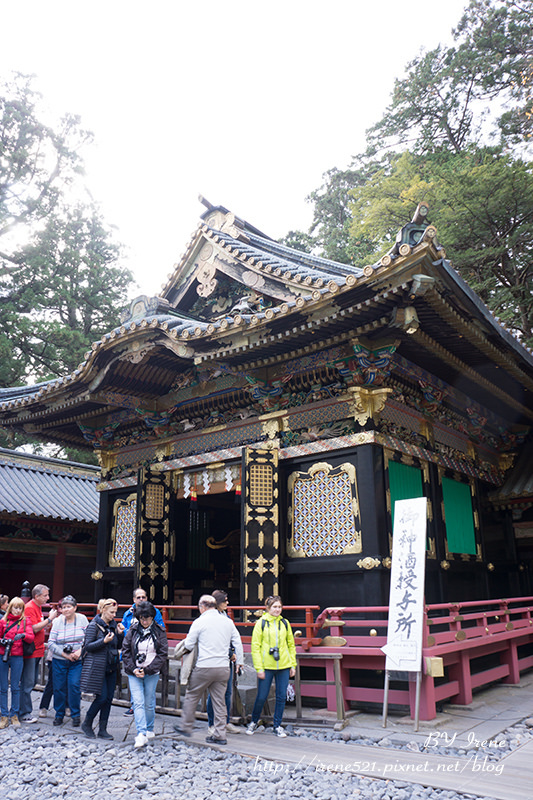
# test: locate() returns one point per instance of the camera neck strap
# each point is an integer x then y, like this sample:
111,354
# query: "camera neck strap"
10,628
65,623
267,623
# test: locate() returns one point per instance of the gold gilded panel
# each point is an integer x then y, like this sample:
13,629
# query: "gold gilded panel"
123,533
154,507
325,512
261,485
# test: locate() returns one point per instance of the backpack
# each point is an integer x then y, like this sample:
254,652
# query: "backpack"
266,622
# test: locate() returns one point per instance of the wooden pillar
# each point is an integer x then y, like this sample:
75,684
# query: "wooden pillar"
58,588
261,553
155,550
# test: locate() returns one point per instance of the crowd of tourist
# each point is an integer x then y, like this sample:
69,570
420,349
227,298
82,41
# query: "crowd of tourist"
85,657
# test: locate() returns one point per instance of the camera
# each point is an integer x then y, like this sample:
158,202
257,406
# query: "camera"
274,652
7,644
68,649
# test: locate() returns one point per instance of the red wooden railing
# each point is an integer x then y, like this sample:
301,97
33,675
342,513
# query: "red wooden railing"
479,642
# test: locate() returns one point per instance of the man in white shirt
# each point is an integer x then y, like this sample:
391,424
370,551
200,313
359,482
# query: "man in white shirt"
212,633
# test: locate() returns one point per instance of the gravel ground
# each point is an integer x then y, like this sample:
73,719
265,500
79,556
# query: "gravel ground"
39,764
436,743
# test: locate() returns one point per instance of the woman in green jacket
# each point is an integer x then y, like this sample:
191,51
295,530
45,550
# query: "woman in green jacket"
273,654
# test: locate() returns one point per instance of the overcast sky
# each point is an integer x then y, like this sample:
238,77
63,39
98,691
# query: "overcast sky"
245,102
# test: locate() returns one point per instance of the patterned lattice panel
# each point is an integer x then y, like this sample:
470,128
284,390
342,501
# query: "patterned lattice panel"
124,544
261,485
127,457
154,501
450,439
317,416
324,522
401,418
222,438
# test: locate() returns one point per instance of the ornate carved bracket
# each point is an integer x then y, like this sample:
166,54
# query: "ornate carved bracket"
367,403
98,436
370,365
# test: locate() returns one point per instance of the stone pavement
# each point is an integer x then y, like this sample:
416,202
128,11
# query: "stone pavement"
492,711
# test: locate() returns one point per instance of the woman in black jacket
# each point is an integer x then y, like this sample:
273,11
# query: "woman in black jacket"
144,655
103,639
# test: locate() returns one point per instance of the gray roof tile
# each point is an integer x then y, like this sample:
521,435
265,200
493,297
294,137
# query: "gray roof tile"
48,488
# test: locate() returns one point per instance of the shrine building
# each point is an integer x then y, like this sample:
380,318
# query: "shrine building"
256,422
48,524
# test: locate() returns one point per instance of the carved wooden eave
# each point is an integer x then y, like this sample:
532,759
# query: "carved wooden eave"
411,295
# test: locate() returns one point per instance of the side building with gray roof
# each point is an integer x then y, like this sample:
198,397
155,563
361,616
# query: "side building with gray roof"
48,524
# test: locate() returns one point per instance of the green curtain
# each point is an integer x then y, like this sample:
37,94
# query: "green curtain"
404,482
459,517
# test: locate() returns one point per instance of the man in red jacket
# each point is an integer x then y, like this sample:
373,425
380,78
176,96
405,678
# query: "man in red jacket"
40,596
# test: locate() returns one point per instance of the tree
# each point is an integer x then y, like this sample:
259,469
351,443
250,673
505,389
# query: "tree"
465,112
481,200
329,233
37,162
62,283
447,98
68,290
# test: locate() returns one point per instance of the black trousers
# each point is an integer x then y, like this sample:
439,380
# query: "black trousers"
102,702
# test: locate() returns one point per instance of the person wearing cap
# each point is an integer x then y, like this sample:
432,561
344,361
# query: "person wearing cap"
65,643
222,607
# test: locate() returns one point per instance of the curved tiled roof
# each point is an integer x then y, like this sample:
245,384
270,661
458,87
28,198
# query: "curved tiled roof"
48,488
283,262
312,280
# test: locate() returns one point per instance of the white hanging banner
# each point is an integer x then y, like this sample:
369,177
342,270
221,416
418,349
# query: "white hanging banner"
406,601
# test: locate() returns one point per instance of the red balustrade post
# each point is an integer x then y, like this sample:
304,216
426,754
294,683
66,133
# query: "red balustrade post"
428,703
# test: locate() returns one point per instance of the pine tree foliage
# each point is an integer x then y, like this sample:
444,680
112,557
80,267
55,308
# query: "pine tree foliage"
62,283
457,134
62,279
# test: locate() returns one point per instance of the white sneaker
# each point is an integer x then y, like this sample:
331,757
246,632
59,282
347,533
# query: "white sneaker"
29,720
149,734
140,740
43,712
211,730
252,727
231,728
280,732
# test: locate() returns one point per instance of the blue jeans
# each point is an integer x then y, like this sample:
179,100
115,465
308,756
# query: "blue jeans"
263,688
27,682
227,698
67,675
102,702
15,663
142,692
